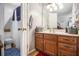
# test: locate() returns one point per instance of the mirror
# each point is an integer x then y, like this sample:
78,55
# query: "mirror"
57,15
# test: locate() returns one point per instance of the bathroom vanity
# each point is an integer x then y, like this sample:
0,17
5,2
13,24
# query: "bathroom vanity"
57,44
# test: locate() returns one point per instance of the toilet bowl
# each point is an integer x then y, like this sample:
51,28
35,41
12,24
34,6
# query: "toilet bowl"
8,40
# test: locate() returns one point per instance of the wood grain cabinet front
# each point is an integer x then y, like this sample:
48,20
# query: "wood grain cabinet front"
67,46
50,44
54,45
67,39
39,44
50,47
66,49
65,53
39,41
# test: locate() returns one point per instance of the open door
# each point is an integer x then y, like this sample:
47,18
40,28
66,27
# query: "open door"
12,34
24,40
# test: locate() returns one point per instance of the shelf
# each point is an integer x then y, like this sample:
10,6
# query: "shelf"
7,30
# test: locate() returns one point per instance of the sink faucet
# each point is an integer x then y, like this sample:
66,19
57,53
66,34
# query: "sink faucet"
51,30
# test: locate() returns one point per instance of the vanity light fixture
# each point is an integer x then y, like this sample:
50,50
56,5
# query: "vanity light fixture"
50,9
55,6
60,5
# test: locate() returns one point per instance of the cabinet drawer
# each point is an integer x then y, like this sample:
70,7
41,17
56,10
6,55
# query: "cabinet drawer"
66,53
50,37
67,47
66,39
39,35
50,47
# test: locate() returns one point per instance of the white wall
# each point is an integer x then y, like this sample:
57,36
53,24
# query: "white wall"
34,9
1,25
8,12
8,26
13,25
15,32
5,14
1,17
40,19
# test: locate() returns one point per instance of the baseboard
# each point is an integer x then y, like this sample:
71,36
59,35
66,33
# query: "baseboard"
31,51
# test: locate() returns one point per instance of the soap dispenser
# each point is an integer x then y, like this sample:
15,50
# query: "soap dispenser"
75,30
66,30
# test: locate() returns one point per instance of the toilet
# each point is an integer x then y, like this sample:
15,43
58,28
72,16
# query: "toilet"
8,42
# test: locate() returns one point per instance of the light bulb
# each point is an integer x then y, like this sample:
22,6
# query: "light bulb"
60,6
53,5
48,6
55,8
51,9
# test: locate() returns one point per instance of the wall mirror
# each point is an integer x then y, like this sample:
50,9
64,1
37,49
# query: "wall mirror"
57,15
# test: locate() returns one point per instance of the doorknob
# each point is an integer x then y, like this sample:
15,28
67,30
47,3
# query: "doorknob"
23,29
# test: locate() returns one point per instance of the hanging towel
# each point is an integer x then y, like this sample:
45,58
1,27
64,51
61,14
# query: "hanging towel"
30,22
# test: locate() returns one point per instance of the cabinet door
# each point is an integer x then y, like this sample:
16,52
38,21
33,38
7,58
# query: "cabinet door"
50,47
67,47
78,46
62,52
39,44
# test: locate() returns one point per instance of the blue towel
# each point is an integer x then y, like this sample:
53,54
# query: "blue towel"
12,52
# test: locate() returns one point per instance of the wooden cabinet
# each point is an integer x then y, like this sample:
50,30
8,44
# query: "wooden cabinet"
39,42
46,43
50,44
61,45
50,47
1,45
78,46
67,46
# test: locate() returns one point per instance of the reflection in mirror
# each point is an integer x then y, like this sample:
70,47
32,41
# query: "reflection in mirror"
65,16
57,15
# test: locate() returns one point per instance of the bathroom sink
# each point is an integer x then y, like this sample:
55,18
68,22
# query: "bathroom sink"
60,33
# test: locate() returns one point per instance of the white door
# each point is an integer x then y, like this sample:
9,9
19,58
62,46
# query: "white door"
24,18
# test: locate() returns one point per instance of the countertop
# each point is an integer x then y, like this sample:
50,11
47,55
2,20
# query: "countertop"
60,33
